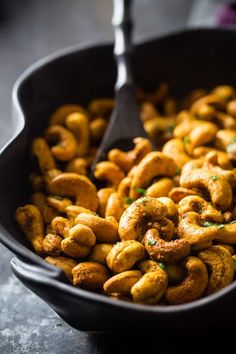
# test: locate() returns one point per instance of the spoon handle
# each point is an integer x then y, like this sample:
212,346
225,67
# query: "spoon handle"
122,25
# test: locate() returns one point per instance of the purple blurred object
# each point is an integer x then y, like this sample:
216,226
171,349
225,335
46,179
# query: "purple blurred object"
226,14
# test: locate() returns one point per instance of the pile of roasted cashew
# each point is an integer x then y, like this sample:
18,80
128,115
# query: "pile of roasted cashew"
162,229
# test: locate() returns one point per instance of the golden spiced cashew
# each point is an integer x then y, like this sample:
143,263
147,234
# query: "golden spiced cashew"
148,265
111,173
193,96
202,134
219,260
78,124
200,206
152,165
165,227
123,191
41,151
105,230
175,148
36,182
97,129
134,221
101,107
175,273
60,226
160,188
69,184
52,245
231,108
79,241
30,221
58,203
90,275
100,252
227,233
178,193
151,287
65,263
226,140
103,196
40,201
218,187
115,206
211,100
172,210
122,283
73,210
164,251
126,160
192,165
222,158
59,116
192,287
64,143
224,92
147,111
190,228
77,165
159,128
124,255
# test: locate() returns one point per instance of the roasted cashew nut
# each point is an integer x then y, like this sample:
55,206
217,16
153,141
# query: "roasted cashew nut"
97,129
126,160
192,287
153,165
160,188
52,245
172,210
151,287
178,193
221,265
100,252
115,206
30,222
73,185
218,187
47,211
64,143
59,116
124,255
191,230
58,203
165,227
103,196
175,148
60,226
133,222
227,233
90,275
41,151
78,124
65,263
105,230
200,206
147,111
122,283
220,157
159,129
101,107
163,251
109,172
226,140
77,165
74,210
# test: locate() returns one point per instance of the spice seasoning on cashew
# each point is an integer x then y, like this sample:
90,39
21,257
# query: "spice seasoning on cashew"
161,229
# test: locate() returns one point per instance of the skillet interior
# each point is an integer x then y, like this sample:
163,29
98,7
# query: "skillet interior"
186,60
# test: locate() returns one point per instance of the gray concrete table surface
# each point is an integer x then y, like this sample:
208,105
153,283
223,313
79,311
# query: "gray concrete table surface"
29,30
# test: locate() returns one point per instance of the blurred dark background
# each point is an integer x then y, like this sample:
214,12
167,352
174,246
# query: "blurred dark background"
30,30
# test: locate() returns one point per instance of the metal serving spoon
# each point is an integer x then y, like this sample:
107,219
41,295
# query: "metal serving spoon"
125,123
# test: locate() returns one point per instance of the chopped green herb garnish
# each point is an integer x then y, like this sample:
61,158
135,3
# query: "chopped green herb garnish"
162,265
141,191
186,139
151,242
178,170
128,200
233,222
210,223
234,260
215,177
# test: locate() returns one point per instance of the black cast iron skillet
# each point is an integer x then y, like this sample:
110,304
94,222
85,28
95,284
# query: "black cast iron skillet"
186,60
